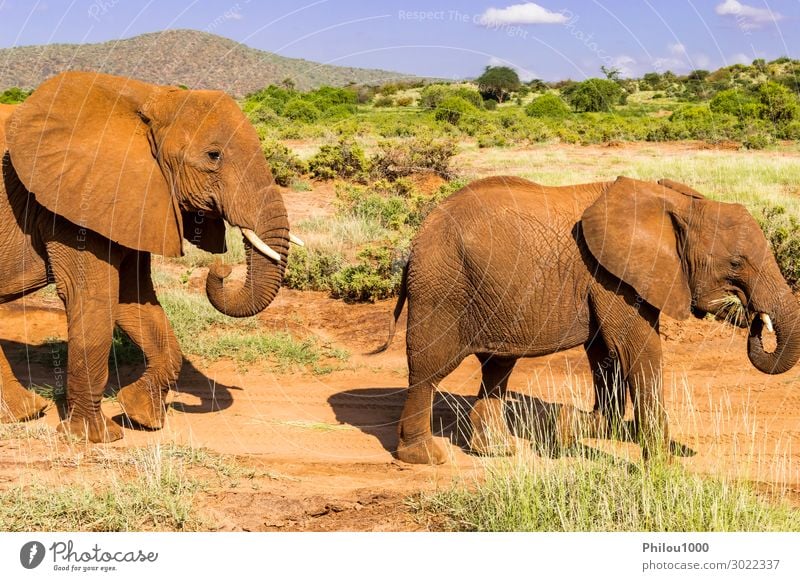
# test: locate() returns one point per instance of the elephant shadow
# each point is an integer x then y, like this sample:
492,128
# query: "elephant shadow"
44,368
376,411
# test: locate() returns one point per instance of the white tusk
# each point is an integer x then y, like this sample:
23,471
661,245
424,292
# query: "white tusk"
767,322
260,245
295,240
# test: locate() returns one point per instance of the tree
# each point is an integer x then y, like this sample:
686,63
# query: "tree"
652,81
611,73
497,82
593,95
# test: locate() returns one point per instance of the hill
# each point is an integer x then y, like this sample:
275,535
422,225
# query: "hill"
196,59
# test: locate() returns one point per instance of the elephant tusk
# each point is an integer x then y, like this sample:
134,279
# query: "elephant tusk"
767,322
260,245
295,240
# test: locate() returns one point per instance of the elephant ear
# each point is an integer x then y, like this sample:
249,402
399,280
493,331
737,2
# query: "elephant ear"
682,188
205,232
81,145
631,232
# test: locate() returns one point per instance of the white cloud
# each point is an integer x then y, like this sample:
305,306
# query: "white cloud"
677,49
624,64
701,61
739,59
528,13
525,75
747,17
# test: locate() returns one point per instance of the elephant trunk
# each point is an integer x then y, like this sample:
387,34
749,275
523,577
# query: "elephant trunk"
264,273
784,315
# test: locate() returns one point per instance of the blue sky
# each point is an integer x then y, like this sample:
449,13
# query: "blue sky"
549,39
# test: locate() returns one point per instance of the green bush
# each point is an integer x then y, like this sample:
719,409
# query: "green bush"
452,109
547,105
736,102
286,166
405,101
593,95
782,230
780,104
395,159
345,160
311,269
376,275
433,95
384,101
301,110
490,104
13,96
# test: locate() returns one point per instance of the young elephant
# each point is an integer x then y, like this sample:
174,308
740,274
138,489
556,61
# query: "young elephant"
506,268
99,172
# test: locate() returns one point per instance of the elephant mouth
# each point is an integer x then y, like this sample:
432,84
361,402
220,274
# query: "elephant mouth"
762,331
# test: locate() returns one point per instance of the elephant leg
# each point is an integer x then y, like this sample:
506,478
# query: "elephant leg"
490,433
609,391
87,280
141,317
416,444
17,404
645,382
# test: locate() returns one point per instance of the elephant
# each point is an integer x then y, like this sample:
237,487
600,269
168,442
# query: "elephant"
506,268
101,171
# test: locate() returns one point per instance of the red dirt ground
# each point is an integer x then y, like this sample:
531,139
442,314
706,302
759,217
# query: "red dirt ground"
326,441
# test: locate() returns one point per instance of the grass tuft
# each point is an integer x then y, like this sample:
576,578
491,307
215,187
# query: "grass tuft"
580,495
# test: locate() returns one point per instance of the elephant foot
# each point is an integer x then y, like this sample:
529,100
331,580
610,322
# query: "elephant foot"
573,424
98,429
490,433
420,451
18,404
142,406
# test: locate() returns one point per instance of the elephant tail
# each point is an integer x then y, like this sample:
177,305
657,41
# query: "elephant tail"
398,309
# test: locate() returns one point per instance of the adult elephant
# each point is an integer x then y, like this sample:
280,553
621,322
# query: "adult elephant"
98,173
506,268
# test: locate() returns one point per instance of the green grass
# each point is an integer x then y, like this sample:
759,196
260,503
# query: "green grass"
603,495
151,492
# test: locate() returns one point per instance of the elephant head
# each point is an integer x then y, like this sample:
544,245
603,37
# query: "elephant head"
147,166
680,251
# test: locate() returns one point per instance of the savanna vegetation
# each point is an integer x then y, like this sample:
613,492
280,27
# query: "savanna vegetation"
392,152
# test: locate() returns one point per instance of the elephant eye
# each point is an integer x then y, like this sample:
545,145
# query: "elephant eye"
214,155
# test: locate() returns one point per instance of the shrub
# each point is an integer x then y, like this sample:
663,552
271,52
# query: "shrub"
397,159
341,111
432,95
547,105
780,104
376,276
782,230
344,159
736,102
490,104
311,269
593,95
301,110
405,101
13,96
453,109
384,101
286,166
